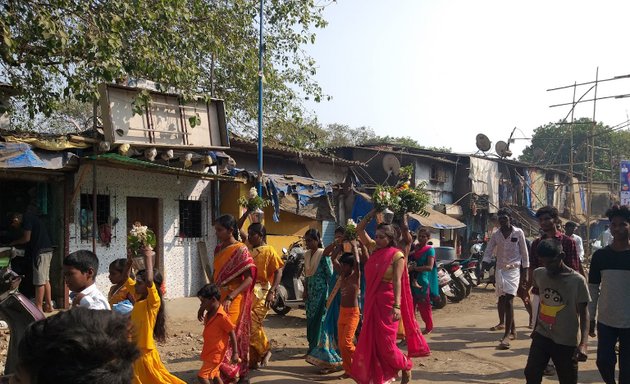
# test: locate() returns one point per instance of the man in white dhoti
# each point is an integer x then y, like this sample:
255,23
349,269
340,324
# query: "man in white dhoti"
510,249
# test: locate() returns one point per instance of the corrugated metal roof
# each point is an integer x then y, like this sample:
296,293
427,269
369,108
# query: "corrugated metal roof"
117,160
269,147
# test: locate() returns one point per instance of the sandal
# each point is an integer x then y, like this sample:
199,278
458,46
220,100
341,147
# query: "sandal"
503,345
498,327
512,336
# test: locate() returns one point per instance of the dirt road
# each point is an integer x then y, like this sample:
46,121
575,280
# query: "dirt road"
463,349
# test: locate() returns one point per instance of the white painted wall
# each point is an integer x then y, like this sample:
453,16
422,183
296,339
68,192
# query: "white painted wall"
440,192
181,266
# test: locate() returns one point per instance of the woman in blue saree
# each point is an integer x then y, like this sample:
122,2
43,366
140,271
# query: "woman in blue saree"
317,271
423,271
325,353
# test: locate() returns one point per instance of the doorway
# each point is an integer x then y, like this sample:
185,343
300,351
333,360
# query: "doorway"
146,210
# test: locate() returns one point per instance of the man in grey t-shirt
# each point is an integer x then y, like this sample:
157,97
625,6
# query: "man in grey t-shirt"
561,331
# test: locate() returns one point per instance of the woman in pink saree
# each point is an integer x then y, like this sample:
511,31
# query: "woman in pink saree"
377,358
234,271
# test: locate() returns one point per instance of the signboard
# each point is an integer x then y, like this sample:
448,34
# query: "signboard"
624,182
165,122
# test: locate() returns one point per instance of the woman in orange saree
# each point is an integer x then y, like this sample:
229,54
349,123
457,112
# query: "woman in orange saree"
377,358
234,271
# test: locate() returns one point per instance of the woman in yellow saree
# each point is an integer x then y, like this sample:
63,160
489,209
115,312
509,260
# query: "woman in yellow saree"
234,272
269,272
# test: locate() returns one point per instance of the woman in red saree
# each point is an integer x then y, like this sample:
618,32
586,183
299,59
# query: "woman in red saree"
234,271
377,358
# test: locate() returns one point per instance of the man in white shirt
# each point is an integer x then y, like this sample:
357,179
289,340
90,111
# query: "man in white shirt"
569,229
510,249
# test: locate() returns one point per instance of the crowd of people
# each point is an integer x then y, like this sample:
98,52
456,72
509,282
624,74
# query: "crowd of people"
550,278
361,298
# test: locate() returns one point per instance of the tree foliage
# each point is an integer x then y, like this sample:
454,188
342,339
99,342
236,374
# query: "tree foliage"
551,145
58,50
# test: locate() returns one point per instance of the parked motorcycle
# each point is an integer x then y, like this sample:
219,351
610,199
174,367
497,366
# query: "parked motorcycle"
444,281
291,287
458,283
469,267
17,311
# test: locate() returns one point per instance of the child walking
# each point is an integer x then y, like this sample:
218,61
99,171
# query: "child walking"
123,286
216,331
79,270
561,331
148,319
349,315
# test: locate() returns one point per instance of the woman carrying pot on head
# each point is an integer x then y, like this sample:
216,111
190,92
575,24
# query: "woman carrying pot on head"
377,358
269,272
234,272
317,271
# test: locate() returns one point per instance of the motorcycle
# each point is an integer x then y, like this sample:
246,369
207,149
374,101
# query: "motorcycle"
291,288
469,267
458,283
18,312
444,279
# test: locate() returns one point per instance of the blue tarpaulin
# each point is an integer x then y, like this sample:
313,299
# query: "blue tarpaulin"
18,155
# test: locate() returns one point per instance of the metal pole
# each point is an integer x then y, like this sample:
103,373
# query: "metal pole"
260,101
589,192
94,199
572,197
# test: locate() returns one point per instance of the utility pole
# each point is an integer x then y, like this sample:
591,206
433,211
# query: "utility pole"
591,168
590,143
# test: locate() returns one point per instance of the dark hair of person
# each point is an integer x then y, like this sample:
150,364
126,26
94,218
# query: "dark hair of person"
259,229
348,259
159,330
118,265
209,291
547,210
340,230
314,234
82,260
228,222
504,212
618,211
424,230
389,231
571,224
549,248
78,346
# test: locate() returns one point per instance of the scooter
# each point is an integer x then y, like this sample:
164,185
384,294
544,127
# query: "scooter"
18,312
291,288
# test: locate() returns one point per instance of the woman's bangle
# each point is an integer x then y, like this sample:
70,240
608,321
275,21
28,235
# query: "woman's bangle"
396,306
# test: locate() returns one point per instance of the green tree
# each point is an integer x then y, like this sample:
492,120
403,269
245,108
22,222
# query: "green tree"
58,50
551,145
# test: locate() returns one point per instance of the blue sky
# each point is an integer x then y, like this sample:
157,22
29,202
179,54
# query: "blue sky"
441,71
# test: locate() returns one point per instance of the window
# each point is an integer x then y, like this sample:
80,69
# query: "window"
87,214
189,218
438,174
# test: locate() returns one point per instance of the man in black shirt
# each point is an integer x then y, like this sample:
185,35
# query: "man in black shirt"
38,249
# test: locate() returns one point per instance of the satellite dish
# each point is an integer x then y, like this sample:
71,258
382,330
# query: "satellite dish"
483,143
502,149
391,164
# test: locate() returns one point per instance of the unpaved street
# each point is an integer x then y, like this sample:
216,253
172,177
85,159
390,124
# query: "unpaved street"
463,347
